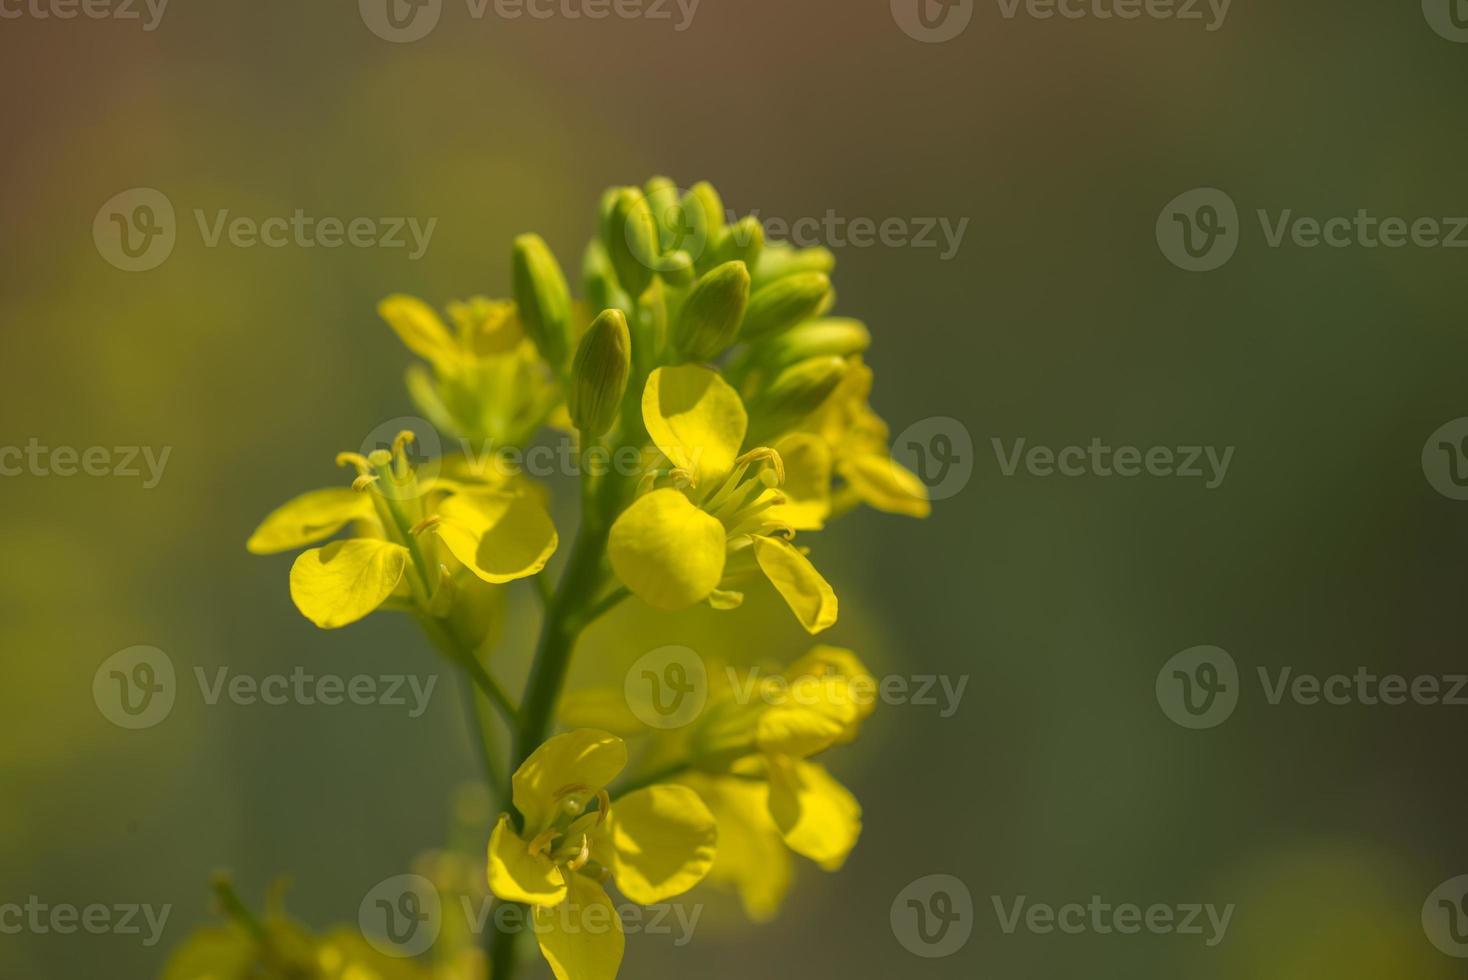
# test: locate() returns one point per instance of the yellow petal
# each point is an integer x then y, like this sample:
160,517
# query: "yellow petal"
847,689
582,937
307,519
696,419
605,708
817,816
796,731
807,486
751,856
883,483
499,537
346,580
516,875
586,758
663,842
809,595
667,551
419,328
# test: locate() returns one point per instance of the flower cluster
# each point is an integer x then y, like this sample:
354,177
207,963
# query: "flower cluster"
712,358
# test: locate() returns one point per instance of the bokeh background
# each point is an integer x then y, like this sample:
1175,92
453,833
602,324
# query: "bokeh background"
1057,320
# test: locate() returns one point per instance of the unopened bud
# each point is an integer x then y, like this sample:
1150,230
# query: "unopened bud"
785,303
744,240
631,238
833,335
793,395
600,281
710,318
599,374
779,260
676,268
542,298
702,211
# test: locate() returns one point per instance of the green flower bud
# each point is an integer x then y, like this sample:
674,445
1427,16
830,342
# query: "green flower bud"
815,338
710,318
662,198
794,393
784,303
779,260
543,300
631,238
744,240
702,213
600,281
677,268
599,374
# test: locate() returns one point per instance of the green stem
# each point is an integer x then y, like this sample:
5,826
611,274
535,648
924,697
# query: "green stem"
499,783
569,611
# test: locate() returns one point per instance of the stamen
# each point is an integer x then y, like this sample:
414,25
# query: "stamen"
354,459
379,458
764,454
579,861
542,841
603,806
431,521
364,481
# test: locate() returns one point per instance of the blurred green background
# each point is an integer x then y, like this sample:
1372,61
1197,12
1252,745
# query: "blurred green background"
1057,320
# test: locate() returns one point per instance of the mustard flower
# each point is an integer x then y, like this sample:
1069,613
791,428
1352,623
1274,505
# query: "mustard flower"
656,842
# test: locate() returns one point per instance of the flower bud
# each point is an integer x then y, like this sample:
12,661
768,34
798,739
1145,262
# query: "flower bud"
599,374
703,215
676,268
662,198
710,318
600,281
779,260
784,303
744,240
795,392
631,238
543,300
833,335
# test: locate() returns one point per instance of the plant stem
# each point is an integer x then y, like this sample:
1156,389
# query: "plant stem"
569,610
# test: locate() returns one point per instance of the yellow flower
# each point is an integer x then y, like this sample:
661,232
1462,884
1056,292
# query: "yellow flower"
488,382
411,537
656,842
750,757
723,521
857,441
